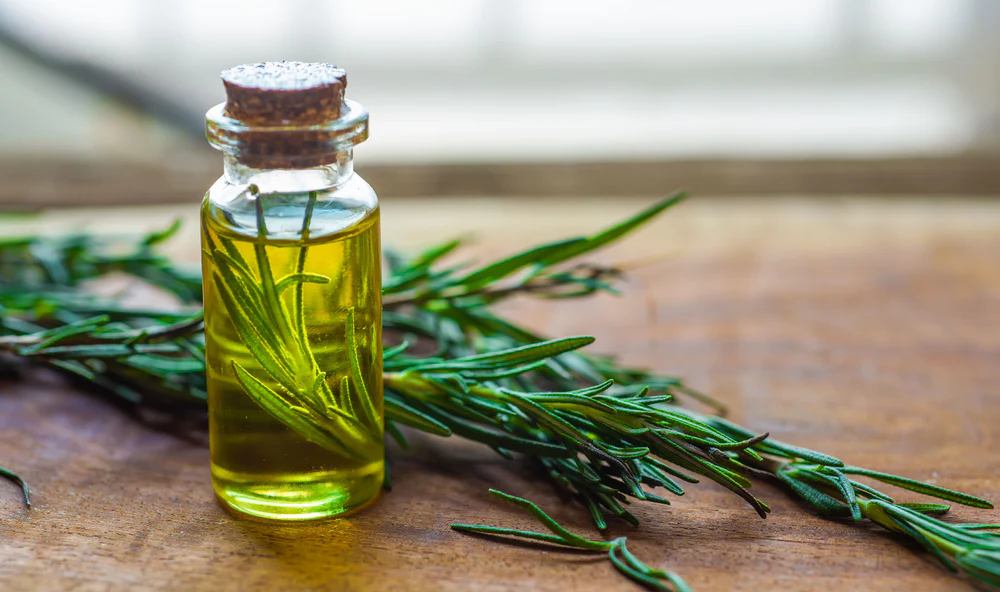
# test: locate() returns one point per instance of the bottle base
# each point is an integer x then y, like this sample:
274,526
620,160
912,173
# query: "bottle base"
312,496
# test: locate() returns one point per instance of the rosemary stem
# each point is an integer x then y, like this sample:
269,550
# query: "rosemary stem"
300,265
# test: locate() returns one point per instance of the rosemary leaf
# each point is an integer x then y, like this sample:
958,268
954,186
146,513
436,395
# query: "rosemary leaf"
924,488
618,553
17,480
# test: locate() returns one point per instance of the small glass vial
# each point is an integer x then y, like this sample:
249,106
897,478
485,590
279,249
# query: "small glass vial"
291,262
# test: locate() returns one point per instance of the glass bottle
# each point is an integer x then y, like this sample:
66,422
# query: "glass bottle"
292,287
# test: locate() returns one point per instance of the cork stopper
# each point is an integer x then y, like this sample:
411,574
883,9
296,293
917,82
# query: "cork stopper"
284,93
286,115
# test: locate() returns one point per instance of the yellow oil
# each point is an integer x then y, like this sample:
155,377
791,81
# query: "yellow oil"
260,466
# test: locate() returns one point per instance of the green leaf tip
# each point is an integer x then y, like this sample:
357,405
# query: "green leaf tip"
17,480
618,553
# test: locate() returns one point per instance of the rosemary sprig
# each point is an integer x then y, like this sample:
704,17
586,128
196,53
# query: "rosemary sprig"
603,432
618,552
65,261
603,447
344,422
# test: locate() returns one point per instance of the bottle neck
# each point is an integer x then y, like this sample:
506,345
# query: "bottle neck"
317,178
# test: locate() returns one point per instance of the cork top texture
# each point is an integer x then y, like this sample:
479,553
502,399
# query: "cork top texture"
284,93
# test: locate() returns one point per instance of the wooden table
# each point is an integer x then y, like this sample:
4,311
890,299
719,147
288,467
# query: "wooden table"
867,328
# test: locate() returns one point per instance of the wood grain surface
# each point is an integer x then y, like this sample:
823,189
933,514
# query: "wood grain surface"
863,327
33,182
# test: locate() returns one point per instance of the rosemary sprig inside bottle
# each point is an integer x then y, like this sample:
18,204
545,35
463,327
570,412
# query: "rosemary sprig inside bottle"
300,395
293,352
606,433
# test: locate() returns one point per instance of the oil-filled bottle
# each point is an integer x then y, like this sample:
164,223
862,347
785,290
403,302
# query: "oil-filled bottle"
292,288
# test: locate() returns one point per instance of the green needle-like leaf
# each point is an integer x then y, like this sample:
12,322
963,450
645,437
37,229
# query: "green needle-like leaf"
525,354
281,408
924,488
577,248
618,553
371,415
501,269
296,279
17,480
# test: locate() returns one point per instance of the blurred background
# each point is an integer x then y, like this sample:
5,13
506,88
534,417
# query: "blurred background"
522,96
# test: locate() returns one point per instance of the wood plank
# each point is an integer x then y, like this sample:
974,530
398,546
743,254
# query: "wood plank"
867,328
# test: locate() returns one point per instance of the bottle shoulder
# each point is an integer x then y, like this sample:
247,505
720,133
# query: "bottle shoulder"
232,209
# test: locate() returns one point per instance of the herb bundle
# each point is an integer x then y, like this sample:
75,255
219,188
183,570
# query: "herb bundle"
607,434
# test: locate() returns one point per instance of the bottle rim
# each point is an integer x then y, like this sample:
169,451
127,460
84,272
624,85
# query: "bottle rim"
286,145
